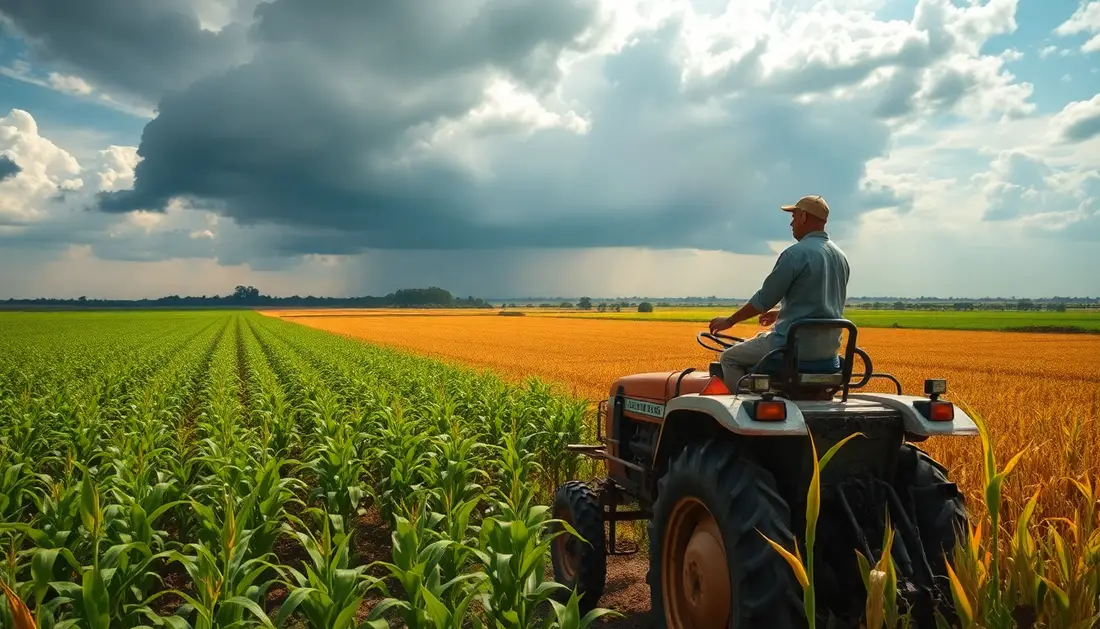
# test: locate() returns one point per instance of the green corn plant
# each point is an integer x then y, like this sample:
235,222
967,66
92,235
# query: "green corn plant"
338,472
111,591
17,488
416,567
568,615
58,515
805,571
513,490
513,553
331,591
228,590
456,526
454,472
403,455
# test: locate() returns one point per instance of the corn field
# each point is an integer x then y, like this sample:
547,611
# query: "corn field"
222,470
213,470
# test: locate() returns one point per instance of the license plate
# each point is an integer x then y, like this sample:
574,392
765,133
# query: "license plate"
642,407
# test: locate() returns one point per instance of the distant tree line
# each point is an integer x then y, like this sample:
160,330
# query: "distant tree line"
1023,305
250,296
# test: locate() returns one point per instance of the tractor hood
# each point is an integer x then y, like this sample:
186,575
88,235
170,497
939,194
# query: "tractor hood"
659,386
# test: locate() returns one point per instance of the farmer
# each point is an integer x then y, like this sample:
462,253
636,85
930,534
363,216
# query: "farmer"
810,278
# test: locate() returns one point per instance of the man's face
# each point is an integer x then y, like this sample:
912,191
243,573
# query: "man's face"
797,219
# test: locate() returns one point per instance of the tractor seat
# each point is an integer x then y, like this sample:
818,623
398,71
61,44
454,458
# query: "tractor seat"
773,365
810,372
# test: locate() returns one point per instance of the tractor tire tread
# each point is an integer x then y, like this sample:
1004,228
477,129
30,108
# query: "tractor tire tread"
588,520
941,519
742,496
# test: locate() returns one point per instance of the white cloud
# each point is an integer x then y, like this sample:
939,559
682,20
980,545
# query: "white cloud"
70,84
1078,121
45,170
73,85
1086,19
118,167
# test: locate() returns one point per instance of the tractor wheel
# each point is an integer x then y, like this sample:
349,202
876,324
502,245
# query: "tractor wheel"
710,566
580,564
939,506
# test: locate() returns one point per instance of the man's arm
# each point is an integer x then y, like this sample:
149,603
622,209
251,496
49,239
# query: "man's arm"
775,286
747,311
778,282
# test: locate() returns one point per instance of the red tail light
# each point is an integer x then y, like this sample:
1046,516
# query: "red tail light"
770,411
941,411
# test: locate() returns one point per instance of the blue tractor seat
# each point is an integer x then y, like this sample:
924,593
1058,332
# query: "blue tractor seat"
773,365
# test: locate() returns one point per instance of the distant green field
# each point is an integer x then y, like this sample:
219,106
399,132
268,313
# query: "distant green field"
1070,321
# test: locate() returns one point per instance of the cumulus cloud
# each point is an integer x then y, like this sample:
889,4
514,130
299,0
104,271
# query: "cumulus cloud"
1025,188
597,124
1085,20
1078,121
45,170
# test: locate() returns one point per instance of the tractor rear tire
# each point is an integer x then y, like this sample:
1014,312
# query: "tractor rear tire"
710,565
939,506
580,564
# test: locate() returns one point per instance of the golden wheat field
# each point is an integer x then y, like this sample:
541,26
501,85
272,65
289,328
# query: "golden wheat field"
1036,392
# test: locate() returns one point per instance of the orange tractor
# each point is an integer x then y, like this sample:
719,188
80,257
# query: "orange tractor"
714,471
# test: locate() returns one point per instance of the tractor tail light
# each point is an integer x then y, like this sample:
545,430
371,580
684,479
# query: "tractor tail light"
715,386
941,411
770,411
936,410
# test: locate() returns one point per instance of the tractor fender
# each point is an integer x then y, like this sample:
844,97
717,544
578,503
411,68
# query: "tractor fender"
915,423
728,412
694,418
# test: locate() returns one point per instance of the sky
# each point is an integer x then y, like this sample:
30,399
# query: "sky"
509,148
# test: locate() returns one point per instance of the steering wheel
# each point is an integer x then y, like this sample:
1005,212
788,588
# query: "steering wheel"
717,338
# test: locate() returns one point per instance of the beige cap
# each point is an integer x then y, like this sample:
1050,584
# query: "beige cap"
813,204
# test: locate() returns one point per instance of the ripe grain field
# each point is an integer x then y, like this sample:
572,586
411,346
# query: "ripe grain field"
1039,392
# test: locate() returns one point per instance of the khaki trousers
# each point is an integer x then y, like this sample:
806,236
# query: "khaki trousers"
737,360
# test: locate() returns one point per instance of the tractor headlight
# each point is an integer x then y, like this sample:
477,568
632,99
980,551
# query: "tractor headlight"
759,383
935,386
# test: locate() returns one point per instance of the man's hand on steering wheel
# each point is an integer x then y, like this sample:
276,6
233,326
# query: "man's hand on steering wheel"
718,324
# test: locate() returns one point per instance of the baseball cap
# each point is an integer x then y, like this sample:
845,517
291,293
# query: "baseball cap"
812,204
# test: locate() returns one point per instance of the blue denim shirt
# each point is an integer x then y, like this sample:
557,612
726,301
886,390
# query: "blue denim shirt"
810,278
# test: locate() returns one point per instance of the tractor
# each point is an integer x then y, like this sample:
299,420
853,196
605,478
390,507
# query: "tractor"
714,471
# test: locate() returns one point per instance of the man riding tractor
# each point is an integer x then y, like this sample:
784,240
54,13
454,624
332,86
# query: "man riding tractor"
810,278
721,466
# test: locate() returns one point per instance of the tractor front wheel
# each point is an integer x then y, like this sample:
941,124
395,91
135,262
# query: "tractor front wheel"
711,567
580,564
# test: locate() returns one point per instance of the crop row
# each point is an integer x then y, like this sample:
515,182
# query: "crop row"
231,470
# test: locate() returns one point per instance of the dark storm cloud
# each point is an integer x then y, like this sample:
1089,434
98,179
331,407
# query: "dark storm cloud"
8,168
140,47
293,138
